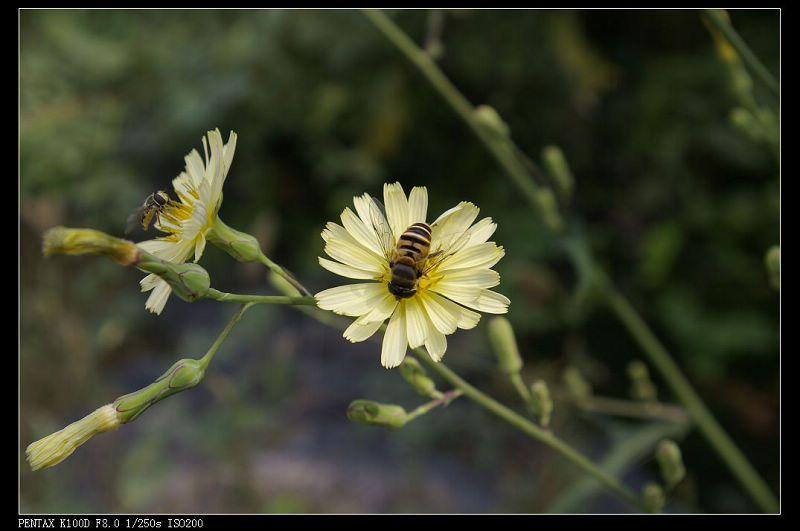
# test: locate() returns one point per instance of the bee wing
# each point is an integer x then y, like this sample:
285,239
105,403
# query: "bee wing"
380,225
445,246
135,218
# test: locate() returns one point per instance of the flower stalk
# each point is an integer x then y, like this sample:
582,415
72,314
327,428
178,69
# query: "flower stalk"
504,151
540,434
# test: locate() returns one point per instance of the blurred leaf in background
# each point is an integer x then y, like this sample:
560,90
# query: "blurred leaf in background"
679,206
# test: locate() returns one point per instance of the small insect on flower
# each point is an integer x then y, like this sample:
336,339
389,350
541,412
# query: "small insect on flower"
430,276
154,206
188,219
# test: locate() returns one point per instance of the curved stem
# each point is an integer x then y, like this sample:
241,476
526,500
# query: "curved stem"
502,149
719,21
679,384
260,299
544,436
206,359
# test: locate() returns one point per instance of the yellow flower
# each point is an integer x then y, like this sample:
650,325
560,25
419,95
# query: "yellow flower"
56,447
188,221
452,280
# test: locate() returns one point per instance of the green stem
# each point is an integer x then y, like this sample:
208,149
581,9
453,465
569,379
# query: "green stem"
205,360
443,400
519,385
678,383
719,21
260,299
544,436
503,149
278,270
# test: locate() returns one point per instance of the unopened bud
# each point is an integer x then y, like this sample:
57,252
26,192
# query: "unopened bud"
642,388
669,459
183,375
504,344
549,208
240,245
188,281
558,169
653,497
541,404
416,376
63,240
488,118
56,447
773,263
376,414
576,384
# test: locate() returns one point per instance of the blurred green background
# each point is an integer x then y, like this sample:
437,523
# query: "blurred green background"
678,203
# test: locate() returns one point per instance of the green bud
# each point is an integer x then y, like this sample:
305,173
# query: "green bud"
653,497
488,118
549,207
669,459
389,416
63,240
576,384
188,281
541,404
773,263
642,388
241,246
558,169
416,376
183,375
504,344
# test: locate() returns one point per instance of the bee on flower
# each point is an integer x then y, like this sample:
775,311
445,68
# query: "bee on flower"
189,220
428,279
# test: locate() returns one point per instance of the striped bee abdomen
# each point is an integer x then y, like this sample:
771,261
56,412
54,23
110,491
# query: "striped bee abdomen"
409,257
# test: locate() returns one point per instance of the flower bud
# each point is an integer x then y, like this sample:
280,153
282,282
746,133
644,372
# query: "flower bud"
416,376
488,118
558,169
241,246
56,447
576,384
183,375
188,281
653,497
669,459
773,263
376,414
63,240
541,404
501,336
642,388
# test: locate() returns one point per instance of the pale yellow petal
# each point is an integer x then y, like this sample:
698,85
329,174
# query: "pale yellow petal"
470,278
481,231
416,322
417,205
341,246
352,299
158,296
395,342
465,318
492,302
483,255
382,307
441,314
346,270
364,234
396,204
435,344
359,330
455,221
